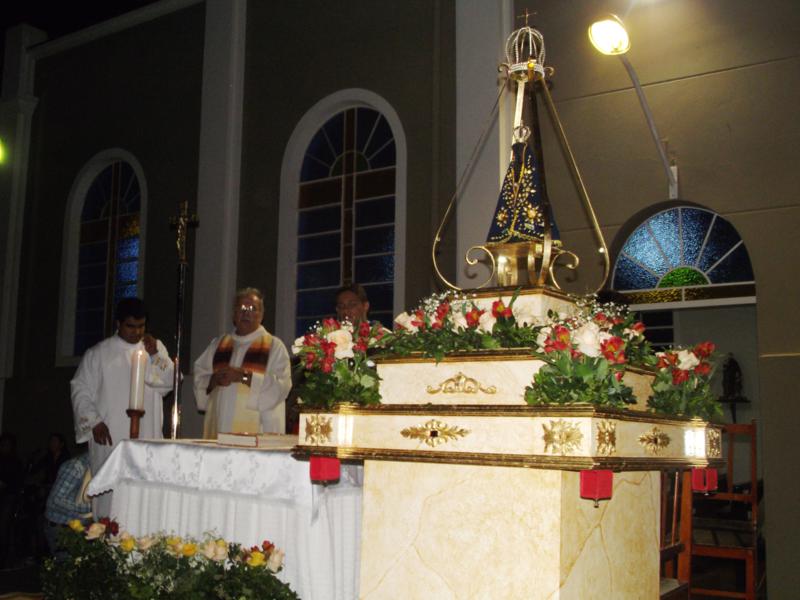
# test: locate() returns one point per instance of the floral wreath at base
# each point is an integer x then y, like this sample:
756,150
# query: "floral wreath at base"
586,354
101,562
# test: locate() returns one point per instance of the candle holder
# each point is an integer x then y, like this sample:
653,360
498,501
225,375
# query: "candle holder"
135,416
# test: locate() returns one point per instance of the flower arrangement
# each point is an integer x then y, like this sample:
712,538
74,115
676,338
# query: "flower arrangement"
683,382
445,324
334,366
102,562
586,356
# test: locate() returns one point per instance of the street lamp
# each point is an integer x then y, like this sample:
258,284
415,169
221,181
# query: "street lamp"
608,36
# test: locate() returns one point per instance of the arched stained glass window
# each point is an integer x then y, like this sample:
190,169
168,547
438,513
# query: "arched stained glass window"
108,252
346,215
683,254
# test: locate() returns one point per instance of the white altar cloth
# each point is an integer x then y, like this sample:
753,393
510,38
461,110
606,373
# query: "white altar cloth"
246,496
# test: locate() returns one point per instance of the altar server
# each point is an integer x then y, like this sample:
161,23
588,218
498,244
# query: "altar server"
243,377
101,388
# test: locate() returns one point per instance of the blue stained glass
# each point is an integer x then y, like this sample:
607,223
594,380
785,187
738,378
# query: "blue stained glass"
722,238
384,158
694,224
383,133
128,248
319,247
124,291
375,268
89,298
313,304
665,229
630,276
381,297
375,212
641,247
127,271
365,121
319,220
335,130
92,275
93,253
735,267
318,275
373,241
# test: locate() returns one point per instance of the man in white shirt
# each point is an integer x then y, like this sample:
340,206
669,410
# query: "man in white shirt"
101,389
243,377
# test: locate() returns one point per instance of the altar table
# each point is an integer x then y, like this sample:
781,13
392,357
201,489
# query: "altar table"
191,487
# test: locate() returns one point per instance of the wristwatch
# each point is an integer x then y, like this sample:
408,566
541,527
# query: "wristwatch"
247,377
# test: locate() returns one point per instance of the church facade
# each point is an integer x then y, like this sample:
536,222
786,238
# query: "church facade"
320,143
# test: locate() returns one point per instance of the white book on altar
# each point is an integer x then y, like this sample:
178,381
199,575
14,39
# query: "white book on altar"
275,441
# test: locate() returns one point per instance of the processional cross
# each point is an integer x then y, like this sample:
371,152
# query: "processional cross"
181,223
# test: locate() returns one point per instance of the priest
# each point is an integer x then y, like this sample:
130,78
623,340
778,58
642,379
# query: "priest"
101,389
243,377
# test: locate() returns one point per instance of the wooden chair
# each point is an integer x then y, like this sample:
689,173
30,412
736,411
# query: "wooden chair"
676,534
726,522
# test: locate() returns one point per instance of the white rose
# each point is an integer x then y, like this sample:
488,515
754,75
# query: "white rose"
344,343
95,531
209,549
298,345
146,542
587,339
404,320
687,360
544,333
524,315
486,322
459,321
275,560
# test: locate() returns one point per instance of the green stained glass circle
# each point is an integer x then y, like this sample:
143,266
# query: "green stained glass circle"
681,277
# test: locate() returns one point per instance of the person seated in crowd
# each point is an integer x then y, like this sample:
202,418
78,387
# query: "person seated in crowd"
48,465
352,303
243,377
67,499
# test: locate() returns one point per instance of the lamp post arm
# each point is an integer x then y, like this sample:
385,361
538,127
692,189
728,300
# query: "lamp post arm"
651,123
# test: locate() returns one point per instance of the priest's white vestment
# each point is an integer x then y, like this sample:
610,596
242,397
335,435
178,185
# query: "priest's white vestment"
101,393
267,392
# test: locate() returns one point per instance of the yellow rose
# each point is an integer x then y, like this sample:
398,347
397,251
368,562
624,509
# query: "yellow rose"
127,543
256,559
76,525
173,540
189,549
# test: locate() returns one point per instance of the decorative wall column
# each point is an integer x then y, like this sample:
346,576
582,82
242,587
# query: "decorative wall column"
481,32
16,112
216,249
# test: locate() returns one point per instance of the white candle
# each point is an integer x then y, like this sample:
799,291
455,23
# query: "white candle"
138,365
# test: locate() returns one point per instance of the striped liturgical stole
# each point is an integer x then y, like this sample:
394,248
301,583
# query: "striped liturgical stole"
245,420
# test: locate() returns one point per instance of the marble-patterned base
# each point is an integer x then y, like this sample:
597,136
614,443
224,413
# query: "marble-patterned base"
473,532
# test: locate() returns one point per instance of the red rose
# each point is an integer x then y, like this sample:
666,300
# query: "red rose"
618,375
638,327
267,547
442,310
112,527
703,369
474,317
704,349
612,350
327,365
600,317
330,324
364,329
500,310
419,319
679,376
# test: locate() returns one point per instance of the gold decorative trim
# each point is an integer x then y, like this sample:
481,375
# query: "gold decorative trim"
713,443
434,433
318,429
654,441
606,438
503,355
555,463
562,437
461,384
509,410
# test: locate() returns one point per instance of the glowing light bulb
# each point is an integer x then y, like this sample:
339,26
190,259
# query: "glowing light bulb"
609,36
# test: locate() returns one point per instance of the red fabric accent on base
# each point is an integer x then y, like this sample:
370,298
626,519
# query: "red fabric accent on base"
597,485
704,480
323,468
